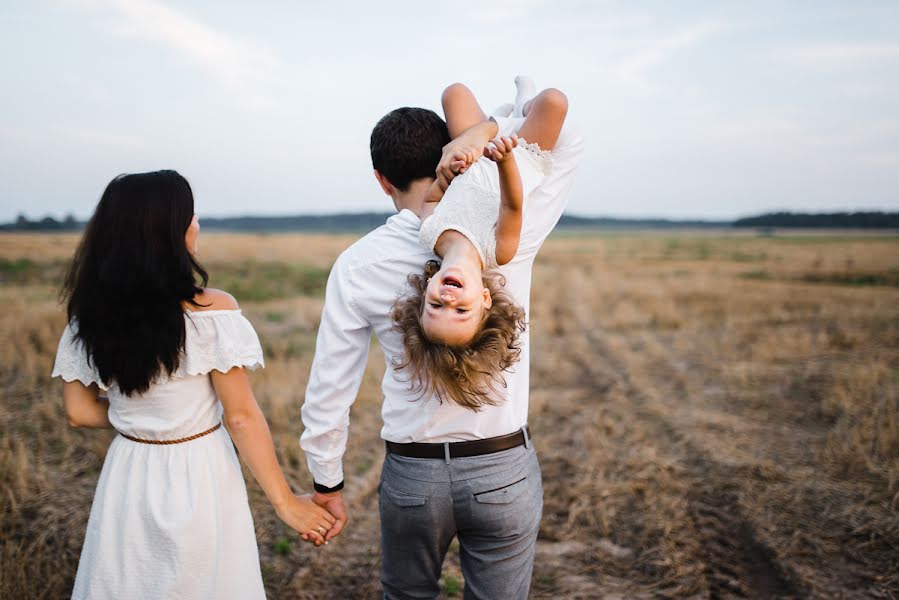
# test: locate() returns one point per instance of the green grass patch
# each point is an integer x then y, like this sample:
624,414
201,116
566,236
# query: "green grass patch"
363,466
261,281
19,265
759,275
451,585
884,278
829,238
23,271
282,546
740,256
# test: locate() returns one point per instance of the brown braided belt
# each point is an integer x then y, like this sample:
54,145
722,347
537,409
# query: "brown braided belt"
167,442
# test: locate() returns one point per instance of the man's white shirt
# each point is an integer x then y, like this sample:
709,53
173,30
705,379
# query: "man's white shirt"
365,281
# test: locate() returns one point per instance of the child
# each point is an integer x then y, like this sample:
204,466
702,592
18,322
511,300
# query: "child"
170,517
460,330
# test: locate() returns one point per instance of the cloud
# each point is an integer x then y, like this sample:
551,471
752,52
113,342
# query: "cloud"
234,61
881,159
840,55
635,70
92,137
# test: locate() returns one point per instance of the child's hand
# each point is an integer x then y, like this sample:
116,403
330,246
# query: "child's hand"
457,157
460,161
500,149
307,518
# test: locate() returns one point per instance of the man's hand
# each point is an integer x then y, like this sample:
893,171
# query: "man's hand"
333,503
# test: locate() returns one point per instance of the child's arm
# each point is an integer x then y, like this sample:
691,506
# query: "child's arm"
508,222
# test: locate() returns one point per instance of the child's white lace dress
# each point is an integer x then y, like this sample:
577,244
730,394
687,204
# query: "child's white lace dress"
171,520
471,203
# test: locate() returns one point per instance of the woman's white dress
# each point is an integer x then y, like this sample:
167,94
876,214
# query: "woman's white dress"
471,203
171,521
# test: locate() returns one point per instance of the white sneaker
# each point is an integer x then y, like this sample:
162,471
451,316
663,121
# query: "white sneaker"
527,89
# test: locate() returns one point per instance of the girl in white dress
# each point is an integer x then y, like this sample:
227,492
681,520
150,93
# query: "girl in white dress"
460,330
163,360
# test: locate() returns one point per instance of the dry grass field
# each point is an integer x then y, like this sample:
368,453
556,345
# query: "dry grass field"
717,416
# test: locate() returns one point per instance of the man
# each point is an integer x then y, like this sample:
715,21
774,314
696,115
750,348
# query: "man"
449,471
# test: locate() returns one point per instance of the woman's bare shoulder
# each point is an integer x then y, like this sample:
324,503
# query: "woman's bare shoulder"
213,299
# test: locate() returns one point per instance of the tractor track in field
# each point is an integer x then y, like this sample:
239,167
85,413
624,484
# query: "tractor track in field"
735,563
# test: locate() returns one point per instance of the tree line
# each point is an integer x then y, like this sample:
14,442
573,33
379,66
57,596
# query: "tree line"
362,222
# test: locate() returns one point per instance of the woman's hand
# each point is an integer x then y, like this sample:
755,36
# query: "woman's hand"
500,149
307,518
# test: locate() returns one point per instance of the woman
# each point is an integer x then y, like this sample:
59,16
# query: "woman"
170,517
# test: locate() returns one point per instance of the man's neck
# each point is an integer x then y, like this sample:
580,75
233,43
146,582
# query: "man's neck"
414,197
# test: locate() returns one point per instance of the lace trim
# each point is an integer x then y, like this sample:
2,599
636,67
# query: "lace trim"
71,361
542,158
219,359
224,341
69,372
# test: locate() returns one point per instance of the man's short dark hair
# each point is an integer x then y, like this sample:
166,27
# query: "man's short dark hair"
406,145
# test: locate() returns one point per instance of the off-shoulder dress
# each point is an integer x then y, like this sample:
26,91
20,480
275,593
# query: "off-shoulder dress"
171,520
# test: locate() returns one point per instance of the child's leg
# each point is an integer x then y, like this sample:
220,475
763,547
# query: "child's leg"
461,109
545,116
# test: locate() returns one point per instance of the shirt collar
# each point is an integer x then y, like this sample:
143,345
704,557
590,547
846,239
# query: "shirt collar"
407,218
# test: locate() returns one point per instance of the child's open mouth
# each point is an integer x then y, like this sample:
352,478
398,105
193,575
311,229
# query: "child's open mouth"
452,281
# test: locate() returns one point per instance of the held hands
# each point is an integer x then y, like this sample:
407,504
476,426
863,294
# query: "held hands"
457,156
500,149
312,522
333,504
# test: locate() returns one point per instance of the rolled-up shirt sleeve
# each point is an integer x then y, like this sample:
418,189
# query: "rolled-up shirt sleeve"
544,207
341,353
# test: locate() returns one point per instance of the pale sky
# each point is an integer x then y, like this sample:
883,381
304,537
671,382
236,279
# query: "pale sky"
689,109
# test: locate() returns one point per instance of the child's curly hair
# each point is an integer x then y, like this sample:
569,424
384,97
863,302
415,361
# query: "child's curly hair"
468,375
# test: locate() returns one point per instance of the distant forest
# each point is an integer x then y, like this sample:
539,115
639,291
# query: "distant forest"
362,222
842,220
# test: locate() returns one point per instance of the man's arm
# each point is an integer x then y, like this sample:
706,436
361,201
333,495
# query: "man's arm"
545,205
341,353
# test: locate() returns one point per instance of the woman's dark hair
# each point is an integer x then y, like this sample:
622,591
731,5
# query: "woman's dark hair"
406,145
130,276
469,375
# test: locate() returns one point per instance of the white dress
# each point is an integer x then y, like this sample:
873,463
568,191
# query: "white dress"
171,521
471,203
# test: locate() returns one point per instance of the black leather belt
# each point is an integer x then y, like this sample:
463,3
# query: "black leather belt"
461,449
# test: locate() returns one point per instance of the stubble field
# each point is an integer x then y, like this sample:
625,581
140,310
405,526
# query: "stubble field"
716,415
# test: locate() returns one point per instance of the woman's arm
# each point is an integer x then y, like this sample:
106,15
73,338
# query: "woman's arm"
508,222
84,405
251,435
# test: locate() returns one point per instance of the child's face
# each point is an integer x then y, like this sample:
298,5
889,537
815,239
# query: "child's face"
455,302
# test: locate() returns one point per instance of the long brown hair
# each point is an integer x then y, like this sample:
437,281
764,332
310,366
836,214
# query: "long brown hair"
468,375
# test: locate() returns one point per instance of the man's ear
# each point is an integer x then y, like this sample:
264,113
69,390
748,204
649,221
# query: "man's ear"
385,184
